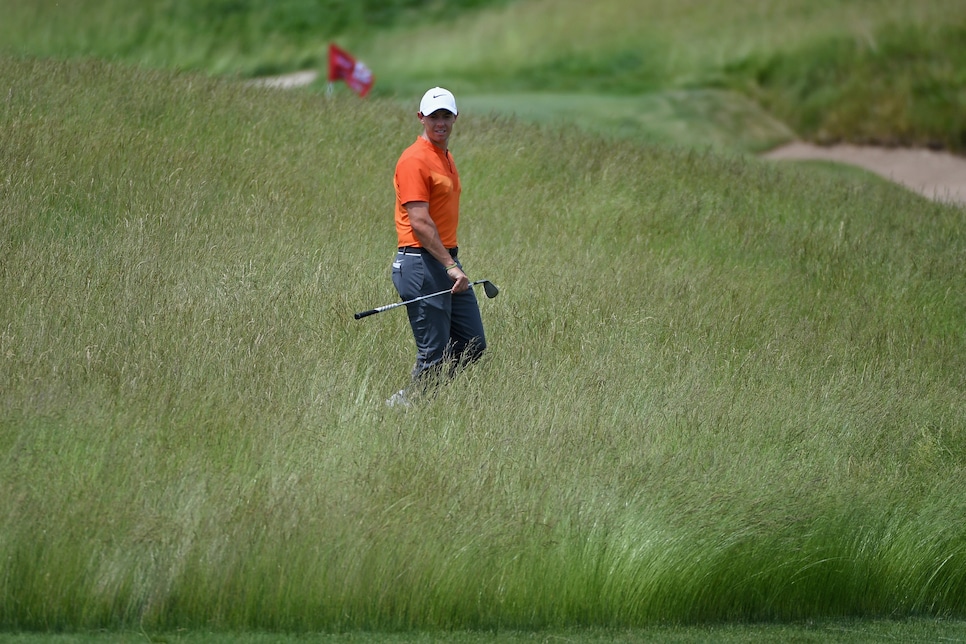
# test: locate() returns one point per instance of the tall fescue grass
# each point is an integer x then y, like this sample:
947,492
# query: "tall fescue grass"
248,37
870,71
879,71
715,390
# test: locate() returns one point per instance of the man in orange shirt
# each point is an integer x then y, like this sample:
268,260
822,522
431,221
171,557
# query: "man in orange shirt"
448,329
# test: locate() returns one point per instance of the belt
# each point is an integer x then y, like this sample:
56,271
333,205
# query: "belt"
416,250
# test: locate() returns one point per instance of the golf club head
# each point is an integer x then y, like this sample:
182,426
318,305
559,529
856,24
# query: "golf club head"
490,289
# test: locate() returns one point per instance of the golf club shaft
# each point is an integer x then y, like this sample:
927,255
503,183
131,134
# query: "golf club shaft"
386,307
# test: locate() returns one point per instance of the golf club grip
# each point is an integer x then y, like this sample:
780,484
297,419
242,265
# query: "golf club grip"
363,314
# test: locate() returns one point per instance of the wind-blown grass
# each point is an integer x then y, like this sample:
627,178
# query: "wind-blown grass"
634,46
904,87
865,71
249,37
715,390
882,71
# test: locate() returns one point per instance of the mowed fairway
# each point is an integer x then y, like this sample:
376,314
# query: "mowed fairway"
716,390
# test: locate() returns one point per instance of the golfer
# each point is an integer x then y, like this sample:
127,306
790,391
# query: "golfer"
448,329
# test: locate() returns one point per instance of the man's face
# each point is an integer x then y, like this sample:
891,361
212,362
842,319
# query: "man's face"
438,126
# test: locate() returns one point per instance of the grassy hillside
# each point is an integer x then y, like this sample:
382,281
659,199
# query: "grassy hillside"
247,37
861,70
716,390
884,71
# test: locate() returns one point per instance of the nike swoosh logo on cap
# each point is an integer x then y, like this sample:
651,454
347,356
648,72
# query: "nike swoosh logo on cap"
438,95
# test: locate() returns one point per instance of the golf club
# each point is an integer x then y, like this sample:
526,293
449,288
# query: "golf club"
488,287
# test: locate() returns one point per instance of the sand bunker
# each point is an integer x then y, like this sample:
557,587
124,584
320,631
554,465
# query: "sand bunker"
937,175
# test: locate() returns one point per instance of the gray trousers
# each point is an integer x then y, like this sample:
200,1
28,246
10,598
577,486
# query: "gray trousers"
448,329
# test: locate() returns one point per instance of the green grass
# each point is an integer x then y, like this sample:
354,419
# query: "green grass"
904,87
247,37
699,119
857,70
717,391
881,71
913,630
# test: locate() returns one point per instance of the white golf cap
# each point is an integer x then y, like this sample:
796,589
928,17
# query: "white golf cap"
437,99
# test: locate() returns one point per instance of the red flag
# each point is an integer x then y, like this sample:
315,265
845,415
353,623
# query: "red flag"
342,66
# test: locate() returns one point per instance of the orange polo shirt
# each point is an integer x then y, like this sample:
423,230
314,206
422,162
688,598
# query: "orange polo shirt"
426,173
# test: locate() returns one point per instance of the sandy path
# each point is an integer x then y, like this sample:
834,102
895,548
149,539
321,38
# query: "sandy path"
937,175
288,81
